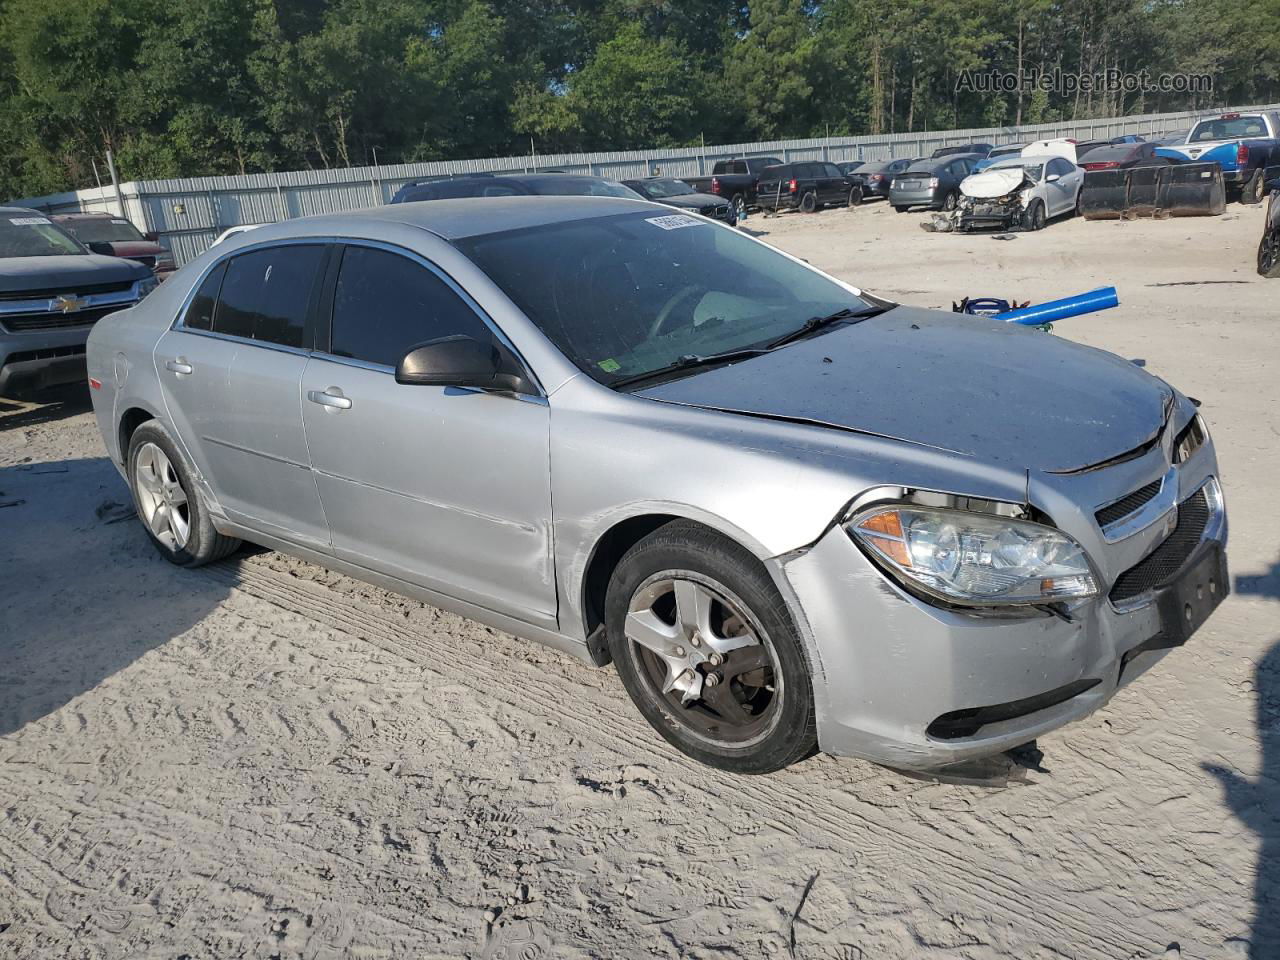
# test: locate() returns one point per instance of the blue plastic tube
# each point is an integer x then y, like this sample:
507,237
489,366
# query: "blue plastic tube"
1101,299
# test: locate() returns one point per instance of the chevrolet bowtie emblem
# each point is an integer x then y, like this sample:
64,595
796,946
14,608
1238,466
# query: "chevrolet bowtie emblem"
68,303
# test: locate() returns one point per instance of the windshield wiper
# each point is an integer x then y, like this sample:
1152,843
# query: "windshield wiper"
846,315
690,361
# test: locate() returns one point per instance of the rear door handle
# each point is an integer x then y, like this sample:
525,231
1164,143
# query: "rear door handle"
179,365
331,397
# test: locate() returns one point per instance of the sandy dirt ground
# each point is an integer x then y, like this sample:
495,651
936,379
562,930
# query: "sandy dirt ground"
264,759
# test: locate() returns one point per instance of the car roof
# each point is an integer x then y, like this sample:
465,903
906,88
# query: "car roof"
85,216
457,219
1116,150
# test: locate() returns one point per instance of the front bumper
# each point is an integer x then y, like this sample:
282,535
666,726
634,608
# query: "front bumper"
30,362
978,214
904,683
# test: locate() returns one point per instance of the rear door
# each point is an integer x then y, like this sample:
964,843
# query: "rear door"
446,488
231,371
837,190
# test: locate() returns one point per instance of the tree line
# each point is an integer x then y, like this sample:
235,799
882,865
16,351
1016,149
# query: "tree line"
205,87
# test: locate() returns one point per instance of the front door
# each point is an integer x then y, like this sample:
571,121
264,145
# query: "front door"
230,372
442,487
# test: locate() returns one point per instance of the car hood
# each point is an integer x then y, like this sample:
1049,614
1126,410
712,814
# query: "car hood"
992,183
692,201
973,386
67,272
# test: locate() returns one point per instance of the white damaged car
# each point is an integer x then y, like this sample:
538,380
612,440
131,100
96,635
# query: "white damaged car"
1016,192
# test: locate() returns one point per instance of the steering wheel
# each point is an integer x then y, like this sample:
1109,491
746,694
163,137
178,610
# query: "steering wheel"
679,297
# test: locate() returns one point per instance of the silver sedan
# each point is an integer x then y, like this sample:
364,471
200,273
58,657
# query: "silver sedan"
794,516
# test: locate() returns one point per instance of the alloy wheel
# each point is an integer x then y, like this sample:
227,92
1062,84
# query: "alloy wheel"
161,498
702,653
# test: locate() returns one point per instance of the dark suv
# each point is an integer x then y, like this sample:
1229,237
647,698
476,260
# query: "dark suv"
804,185
52,291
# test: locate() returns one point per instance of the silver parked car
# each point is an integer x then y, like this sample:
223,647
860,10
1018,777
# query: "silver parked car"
793,515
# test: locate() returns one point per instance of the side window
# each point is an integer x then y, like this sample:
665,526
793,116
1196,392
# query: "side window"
266,293
833,170
385,303
200,312
1059,166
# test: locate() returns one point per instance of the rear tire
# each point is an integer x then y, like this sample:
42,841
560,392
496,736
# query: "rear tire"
169,504
1251,192
855,197
901,209
739,204
1269,255
809,202
950,200
692,596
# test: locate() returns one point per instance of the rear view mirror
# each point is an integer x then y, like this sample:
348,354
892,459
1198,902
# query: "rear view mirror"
460,361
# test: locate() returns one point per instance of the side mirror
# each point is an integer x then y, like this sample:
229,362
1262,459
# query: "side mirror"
460,361
102,247
1053,178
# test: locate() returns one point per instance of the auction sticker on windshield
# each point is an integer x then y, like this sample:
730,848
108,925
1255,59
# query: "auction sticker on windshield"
27,221
674,222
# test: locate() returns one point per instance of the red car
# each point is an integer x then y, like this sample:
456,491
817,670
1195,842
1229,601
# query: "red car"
117,237
1122,156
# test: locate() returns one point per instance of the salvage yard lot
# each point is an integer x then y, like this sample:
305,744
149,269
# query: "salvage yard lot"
263,758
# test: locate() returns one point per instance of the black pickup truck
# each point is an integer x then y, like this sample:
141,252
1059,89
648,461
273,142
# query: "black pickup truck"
735,180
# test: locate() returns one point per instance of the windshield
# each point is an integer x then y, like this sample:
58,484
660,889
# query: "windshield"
1033,170
1234,128
102,230
580,187
666,188
34,236
1006,151
625,295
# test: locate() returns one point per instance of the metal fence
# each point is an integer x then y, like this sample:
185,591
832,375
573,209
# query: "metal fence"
188,213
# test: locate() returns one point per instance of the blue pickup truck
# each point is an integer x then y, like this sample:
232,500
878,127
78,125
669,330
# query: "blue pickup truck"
1245,145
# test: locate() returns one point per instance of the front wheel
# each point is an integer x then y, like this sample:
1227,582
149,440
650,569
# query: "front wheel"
708,652
1034,218
168,503
1269,255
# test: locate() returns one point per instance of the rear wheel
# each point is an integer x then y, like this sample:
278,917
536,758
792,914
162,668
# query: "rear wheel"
706,648
739,204
950,200
809,202
1252,191
1034,217
855,196
1269,255
901,209
168,503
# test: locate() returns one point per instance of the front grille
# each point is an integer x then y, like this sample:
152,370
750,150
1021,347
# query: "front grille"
80,290
22,356
29,322
1163,562
1127,505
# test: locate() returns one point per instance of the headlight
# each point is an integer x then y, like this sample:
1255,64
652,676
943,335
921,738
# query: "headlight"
146,285
1190,439
976,559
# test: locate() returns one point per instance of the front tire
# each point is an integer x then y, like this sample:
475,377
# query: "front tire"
168,502
707,650
1034,218
1269,255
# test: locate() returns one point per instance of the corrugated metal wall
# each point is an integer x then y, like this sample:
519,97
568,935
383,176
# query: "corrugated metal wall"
189,213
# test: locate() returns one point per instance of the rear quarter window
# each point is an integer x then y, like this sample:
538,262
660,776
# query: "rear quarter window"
199,314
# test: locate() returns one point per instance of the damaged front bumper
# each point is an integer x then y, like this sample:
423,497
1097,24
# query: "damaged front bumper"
908,684
1005,213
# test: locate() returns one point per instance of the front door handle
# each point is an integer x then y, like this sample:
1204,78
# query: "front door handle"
331,398
179,365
